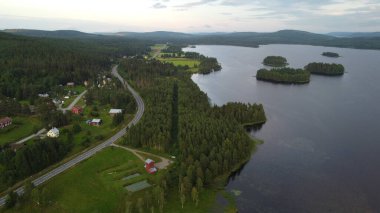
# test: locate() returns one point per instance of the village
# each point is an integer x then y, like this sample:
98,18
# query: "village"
90,123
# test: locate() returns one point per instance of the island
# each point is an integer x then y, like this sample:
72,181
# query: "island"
284,75
325,69
330,54
275,61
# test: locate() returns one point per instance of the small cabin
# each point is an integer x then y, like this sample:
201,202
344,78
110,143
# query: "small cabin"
77,110
71,84
115,111
95,122
149,166
53,133
4,122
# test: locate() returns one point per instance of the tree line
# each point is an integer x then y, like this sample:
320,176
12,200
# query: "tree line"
275,61
325,68
207,141
284,75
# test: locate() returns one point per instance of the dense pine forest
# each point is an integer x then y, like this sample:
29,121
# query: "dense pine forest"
29,66
275,61
207,141
325,69
284,75
330,54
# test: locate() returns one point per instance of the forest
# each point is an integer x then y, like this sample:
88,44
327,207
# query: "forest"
325,69
29,66
208,141
330,54
275,61
284,75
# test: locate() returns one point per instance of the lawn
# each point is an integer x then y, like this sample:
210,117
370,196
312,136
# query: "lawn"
77,89
95,133
182,62
95,185
21,127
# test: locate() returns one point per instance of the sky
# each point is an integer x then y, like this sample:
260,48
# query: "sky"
319,16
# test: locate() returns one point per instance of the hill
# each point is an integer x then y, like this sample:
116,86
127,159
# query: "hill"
248,39
355,34
51,34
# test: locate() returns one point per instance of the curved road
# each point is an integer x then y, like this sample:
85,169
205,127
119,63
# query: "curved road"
140,110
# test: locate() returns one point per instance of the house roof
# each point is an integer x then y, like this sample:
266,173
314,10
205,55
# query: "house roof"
5,120
96,120
114,111
77,107
148,161
54,130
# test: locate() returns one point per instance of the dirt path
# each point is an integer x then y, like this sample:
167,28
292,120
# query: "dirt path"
161,165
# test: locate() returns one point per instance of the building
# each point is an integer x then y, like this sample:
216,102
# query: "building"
43,95
70,84
95,122
4,122
115,111
53,133
149,166
77,110
57,101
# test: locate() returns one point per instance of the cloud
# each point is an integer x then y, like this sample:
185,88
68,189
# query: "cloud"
158,5
196,3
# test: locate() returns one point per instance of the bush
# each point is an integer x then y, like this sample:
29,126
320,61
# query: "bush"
11,200
76,128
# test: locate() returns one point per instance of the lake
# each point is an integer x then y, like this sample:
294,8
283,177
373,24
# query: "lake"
321,150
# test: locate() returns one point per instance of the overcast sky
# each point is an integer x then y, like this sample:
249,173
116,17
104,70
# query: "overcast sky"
191,15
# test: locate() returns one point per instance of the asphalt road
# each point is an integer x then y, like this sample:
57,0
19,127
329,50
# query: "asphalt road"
86,154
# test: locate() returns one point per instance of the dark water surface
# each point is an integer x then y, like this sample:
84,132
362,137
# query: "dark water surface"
321,150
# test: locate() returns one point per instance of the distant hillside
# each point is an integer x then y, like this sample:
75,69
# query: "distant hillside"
51,34
355,34
249,39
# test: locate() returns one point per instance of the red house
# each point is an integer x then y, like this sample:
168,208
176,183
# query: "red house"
77,110
149,166
4,122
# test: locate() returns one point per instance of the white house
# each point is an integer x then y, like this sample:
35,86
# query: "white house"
115,111
53,133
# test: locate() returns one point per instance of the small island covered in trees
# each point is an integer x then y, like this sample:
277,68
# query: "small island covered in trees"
275,61
325,69
330,54
284,75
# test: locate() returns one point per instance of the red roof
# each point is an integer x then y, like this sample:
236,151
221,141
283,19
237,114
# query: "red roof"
77,109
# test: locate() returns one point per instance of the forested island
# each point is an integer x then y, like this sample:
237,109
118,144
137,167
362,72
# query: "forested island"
325,69
284,75
275,61
331,54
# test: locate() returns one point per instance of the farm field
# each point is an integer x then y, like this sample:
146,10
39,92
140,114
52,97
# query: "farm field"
96,185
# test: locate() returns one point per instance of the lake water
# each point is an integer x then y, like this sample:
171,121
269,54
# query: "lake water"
321,150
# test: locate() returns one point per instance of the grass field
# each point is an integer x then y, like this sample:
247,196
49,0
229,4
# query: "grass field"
96,185
183,62
20,128
95,133
77,89
156,50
